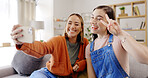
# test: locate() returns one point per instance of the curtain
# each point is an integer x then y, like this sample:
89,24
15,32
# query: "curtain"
14,12
26,11
8,12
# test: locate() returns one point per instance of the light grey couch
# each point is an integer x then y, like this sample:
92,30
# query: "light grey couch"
9,72
137,70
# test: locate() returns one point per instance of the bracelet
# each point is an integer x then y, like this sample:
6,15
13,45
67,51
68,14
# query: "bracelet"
123,40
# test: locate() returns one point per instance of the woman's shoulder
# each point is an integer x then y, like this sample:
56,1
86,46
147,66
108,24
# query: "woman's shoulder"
85,40
58,37
88,46
87,51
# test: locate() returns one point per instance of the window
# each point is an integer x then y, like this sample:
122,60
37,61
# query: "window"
8,13
8,17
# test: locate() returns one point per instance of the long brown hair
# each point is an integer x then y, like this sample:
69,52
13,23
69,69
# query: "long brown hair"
81,34
109,11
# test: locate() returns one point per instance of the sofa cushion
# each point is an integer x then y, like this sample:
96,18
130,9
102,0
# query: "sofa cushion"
138,70
25,64
45,59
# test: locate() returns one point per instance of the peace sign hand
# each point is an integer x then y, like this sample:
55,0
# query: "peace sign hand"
112,26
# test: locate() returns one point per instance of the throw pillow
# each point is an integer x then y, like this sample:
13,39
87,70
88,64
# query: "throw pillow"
25,64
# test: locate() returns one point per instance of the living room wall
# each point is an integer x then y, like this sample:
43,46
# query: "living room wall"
63,8
44,12
47,10
88,6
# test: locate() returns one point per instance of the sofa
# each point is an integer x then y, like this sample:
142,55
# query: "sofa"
137,70
9,72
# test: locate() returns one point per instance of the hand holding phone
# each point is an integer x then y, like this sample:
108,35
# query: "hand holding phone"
28,34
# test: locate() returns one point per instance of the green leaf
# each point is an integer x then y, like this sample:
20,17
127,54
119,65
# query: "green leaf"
122,8
85,34
87,29
89,34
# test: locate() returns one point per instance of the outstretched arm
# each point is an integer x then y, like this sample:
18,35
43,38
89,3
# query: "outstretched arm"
137,50
37,49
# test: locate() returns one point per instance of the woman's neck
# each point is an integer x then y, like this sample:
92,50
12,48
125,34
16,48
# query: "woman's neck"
73,40
100,36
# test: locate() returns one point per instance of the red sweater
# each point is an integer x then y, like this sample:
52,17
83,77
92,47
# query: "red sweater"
59,63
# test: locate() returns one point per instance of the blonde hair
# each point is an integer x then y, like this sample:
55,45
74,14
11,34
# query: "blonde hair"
80,36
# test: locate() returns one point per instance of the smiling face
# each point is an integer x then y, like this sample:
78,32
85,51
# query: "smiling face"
73,26
97,26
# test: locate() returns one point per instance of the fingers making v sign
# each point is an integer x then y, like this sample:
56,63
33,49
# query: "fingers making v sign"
112,26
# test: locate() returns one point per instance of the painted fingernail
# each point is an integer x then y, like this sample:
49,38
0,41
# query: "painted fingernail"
20,30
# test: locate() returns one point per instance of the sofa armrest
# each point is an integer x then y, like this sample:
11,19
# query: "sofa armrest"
6,71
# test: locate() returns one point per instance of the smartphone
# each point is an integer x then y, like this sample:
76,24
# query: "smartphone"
28,34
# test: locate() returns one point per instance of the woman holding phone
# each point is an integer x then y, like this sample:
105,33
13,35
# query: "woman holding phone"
67,52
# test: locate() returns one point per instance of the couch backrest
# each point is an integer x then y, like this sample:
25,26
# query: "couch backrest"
45,59
137,70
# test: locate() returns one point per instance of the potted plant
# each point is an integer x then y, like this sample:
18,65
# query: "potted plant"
88,34
122,10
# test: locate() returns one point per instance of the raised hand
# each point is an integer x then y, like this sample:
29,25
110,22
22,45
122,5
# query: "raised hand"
15,35
112,26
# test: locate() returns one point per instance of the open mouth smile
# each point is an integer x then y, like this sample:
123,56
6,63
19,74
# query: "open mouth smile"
94,27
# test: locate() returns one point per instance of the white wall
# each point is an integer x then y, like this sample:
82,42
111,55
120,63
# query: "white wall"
85,6
89,5
63,8
47,10
44,12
